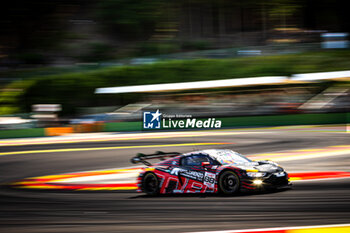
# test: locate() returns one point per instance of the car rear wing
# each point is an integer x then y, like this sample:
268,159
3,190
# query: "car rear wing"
142,158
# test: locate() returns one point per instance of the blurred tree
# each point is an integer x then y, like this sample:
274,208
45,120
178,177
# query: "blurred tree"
131,19
280,10
31,24
32,30
332,15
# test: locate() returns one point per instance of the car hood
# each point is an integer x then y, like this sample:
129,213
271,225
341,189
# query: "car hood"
261,166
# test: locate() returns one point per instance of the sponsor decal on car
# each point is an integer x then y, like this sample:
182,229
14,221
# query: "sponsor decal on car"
193,175
209,179
175,171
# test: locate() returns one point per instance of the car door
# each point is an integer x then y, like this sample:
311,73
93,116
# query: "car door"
198,173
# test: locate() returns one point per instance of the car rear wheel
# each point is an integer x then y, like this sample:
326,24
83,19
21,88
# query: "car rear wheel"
229,183
150,184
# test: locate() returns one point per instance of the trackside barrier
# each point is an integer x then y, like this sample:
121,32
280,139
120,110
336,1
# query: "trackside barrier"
80,128
248,121
58,131
22,133
88,128
254,121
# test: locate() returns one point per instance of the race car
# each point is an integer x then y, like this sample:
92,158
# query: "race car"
207,171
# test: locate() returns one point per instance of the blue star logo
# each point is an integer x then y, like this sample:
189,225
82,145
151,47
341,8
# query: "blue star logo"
151,120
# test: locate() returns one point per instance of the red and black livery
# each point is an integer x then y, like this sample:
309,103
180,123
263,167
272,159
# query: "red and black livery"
207,171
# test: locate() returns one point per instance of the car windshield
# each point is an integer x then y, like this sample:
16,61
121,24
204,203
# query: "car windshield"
228,157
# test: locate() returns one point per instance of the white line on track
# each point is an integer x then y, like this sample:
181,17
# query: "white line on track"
117,137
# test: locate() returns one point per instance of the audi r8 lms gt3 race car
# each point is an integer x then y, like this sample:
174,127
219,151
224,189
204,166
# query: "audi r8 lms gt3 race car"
207,171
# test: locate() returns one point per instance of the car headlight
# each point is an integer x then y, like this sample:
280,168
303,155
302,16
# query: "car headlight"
256,174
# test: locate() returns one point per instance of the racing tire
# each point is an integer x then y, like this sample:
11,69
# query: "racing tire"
150,184
229,183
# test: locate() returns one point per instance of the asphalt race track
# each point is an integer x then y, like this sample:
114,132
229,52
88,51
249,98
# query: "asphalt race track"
315,202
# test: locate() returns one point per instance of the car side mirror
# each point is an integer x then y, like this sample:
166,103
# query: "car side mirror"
204,164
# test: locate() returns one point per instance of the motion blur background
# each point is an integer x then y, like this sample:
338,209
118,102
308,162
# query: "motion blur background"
74,67
55,54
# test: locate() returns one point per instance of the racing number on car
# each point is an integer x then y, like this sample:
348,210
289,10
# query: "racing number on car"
209,179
